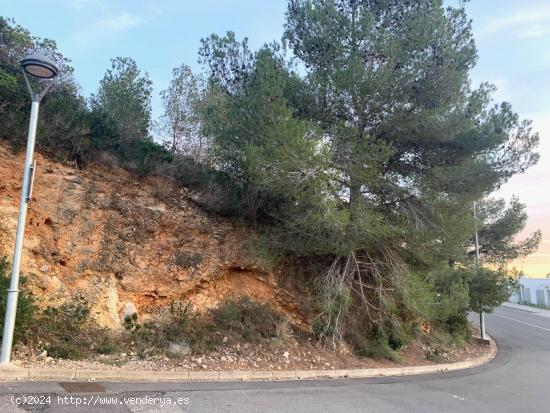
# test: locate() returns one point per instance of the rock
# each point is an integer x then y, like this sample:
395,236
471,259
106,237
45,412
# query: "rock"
48,359
286,354
178,349
43,355
128,310
44,268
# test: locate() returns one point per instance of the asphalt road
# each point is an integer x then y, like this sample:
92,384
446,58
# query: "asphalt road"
518,380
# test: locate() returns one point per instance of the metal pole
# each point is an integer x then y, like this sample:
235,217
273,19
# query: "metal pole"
482,325
481,315
13,291
477,238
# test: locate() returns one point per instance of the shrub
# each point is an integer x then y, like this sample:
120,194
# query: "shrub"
330,308
248,319
378,346
452,302
67,329
27,309
181,325
489,288
195,329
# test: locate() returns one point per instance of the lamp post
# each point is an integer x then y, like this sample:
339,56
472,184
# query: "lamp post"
481,315
40,67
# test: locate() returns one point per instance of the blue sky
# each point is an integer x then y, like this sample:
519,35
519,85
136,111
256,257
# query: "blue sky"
513,39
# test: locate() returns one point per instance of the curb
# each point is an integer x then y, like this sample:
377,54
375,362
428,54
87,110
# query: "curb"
13,373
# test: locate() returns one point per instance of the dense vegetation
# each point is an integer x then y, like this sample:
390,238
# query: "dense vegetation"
357,144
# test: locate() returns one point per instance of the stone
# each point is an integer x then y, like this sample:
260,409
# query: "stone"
44,268
178,349
43,355
128,310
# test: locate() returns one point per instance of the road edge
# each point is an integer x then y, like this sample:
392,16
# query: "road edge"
13,373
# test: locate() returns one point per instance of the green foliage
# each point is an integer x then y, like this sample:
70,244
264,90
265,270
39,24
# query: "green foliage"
63,108
489,289
251,320
373,157
27,309
125,94
385,342
180,122
499,224
239,318
228,61
181,325
330,312
407,133
257,141
130,322
468,288
67,329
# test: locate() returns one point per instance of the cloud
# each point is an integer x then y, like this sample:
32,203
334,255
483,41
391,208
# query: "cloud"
121,22
79,4
103,28
524,22
535,31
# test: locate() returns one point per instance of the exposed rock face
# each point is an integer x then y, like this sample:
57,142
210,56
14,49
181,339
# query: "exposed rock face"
127,244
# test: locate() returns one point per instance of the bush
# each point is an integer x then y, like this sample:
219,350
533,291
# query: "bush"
248,319
26,306
378,345
181,325
452,302
489,288
68,330
241,318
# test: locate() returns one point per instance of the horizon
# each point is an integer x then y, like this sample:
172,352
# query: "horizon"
162,35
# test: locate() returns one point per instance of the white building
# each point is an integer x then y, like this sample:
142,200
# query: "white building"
533,291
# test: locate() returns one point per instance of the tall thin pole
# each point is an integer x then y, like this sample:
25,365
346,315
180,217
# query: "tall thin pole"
13,291
481,315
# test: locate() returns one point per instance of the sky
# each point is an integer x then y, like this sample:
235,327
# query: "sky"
512,37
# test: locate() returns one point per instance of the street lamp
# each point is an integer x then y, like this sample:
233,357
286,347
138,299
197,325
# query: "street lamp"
481,315
41,67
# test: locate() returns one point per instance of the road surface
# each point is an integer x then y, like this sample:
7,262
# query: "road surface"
518,380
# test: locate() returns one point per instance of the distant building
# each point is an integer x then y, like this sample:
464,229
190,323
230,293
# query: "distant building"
533,291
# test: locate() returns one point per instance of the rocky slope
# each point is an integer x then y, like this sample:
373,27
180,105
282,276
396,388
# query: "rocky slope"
128,244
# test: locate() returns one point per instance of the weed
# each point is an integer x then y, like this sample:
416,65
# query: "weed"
248,319
27,309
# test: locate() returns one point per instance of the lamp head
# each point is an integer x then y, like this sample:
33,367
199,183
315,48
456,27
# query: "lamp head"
39,66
